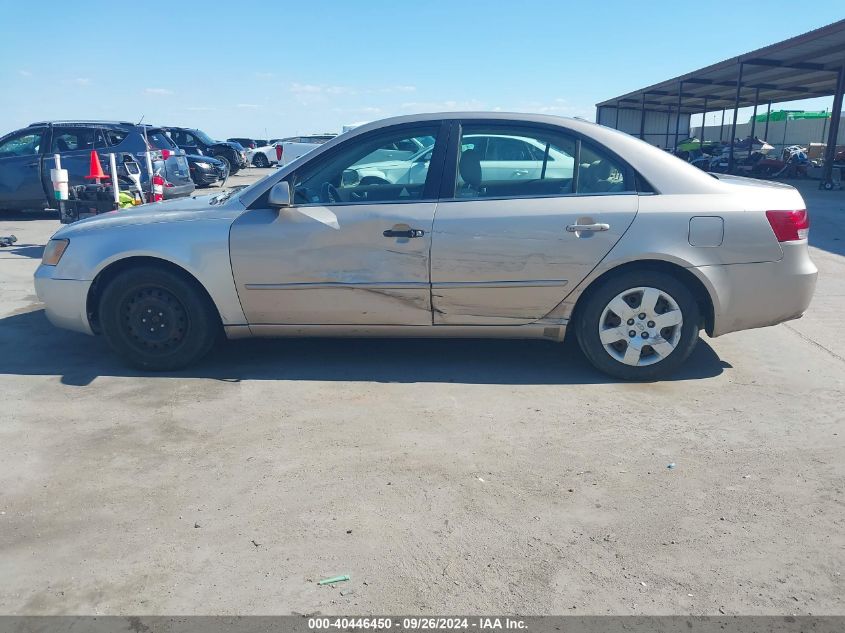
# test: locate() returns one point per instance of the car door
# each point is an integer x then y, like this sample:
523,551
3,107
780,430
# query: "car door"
20,170
349,251
508,251
74,144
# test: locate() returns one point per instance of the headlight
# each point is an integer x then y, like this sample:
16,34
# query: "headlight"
203,165
53,252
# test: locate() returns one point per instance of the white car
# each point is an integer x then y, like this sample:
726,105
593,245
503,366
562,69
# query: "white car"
502,157
291,149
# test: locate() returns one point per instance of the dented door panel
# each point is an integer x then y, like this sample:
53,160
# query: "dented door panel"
511,261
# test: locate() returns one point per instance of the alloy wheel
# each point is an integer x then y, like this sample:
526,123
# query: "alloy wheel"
641,326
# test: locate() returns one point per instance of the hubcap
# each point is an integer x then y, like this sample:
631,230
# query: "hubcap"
154,319
641,326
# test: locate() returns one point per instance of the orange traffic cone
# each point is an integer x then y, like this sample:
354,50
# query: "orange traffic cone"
95,171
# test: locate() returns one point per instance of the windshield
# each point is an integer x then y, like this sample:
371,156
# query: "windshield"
205,138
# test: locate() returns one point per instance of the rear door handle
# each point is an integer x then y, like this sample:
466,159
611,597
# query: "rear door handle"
409,233
577,228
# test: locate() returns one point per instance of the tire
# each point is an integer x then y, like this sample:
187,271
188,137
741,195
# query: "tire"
632,357
260,160
226,162
234,165
187,323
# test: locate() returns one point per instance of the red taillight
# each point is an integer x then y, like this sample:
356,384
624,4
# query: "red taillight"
789,225
165,154
279,150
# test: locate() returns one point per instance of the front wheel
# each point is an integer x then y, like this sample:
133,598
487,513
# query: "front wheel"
157,319
639,325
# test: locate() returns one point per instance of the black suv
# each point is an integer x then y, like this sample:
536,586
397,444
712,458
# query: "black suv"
198,142
26,158
247,143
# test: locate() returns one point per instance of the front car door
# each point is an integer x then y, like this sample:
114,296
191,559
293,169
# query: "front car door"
506,247
20,170
353,249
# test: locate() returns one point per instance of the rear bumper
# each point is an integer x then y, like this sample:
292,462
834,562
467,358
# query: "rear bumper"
762,294
65,300
179,191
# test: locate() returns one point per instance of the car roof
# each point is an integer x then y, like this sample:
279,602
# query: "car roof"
86,122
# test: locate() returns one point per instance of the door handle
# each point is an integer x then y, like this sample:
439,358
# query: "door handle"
520,172
408,233
576,228
35,164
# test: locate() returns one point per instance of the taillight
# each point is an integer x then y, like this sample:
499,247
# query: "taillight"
165,154
789,225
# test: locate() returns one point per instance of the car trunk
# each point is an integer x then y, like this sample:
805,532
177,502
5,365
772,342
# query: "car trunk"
174,168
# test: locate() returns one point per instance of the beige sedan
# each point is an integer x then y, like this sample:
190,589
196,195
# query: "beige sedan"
514,225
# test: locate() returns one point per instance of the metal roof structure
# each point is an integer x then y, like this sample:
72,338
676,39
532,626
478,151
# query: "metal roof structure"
801,67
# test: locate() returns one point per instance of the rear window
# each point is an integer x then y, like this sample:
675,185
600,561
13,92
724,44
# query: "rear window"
159,140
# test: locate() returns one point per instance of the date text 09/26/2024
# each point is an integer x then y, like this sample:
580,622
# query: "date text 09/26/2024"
417,623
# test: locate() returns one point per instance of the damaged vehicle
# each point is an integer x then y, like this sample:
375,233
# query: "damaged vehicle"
583,229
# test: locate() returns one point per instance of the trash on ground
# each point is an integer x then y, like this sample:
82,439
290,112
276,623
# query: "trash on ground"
333,579
670,466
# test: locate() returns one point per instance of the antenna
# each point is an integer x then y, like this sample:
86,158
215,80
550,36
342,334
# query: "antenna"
141,119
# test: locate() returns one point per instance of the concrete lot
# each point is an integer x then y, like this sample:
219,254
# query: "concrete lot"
444,476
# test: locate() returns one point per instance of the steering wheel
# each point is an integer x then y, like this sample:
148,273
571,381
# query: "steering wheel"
329,193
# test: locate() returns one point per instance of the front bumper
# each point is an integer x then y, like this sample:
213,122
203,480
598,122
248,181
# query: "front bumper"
65,300
762,294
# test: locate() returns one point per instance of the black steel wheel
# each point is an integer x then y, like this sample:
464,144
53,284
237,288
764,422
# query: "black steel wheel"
156,318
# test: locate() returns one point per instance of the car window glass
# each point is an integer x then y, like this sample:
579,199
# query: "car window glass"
115,137
73,139
24,143
367,169
518,161
599,173
159,140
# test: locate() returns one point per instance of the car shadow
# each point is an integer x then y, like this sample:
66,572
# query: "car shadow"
33,347
33,251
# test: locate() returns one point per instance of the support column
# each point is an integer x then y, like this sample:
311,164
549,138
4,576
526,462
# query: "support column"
703,122
754,119
668,119
733,123
678,115
722,126
642,119
616,125
768,115
833,133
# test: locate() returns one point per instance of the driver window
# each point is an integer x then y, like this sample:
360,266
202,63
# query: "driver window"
370,169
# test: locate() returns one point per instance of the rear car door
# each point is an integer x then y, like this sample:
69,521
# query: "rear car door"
74,144
20,170
349,251
507,248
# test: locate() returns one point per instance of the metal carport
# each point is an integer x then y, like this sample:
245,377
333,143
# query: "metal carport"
802,67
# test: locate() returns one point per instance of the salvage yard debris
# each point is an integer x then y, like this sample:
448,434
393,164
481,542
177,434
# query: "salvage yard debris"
333,579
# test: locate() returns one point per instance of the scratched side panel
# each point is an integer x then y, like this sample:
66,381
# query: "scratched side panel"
332,265
510,262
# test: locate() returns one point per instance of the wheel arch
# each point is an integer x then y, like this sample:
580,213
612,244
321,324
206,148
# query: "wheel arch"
703,295
114,268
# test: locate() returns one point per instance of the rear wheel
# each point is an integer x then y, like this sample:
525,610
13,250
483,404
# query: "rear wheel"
639,325
260,160
157,319
226,163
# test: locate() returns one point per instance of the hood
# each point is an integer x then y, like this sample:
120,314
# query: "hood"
177,210
195,158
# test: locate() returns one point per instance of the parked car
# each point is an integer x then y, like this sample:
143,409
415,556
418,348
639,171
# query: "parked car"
197,142
26,158
207,170
283,151
635,251
246,143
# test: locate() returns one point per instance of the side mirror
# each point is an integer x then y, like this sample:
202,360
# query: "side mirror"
279,195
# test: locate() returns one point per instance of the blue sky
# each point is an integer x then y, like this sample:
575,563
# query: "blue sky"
240,68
